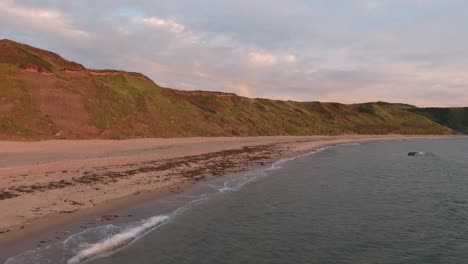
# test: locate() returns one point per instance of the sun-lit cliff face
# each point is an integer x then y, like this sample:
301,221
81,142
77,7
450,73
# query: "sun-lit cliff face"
43,96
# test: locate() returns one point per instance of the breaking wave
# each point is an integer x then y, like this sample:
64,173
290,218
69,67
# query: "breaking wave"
102,241
117,241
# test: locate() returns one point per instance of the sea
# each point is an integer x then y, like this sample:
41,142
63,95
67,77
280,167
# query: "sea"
357,203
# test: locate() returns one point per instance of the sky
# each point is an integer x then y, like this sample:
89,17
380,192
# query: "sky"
349,51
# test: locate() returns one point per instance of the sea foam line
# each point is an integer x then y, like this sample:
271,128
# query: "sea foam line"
122,239
117,241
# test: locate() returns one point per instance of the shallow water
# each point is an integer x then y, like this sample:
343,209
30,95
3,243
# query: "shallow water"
359,203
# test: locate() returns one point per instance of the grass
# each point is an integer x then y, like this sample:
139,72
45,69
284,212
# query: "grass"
122,105
24,56
454,118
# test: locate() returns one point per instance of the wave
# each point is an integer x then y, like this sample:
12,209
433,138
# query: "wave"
102,241
238,182
97,242
118,241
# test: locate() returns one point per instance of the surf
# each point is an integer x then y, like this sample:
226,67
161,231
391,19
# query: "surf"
118,241
79,249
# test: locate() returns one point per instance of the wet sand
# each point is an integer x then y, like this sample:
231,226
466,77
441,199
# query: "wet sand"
51,183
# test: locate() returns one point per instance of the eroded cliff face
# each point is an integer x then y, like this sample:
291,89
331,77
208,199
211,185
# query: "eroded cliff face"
43,96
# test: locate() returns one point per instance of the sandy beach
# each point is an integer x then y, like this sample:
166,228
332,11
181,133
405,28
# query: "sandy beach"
48,183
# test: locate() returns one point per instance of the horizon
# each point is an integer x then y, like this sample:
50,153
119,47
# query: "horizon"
405,51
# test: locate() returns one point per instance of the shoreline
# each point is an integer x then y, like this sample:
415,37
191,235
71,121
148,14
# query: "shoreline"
178,172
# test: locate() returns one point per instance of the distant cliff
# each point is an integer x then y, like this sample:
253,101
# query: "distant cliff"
455,118
43,96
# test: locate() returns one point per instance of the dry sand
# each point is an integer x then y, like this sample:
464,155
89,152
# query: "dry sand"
46,183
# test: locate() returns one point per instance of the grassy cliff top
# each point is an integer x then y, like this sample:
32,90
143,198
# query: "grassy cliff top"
27,57
43,96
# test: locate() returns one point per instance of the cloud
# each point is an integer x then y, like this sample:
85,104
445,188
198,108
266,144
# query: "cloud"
48,20
239,88
161,24
290,58
369,4
262,59
411,51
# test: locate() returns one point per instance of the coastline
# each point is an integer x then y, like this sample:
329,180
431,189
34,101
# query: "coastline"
124,175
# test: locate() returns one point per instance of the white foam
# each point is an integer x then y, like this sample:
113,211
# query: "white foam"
278,164
117,241
114,238
122,239
238,182
224,188
234,185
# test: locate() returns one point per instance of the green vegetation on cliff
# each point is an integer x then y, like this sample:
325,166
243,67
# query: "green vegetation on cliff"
455,118
43,96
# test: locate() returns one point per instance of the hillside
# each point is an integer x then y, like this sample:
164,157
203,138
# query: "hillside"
455,118
43,96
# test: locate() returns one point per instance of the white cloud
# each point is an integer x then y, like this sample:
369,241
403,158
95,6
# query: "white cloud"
412,51
47,20
241,89
262,59
290,58
161,24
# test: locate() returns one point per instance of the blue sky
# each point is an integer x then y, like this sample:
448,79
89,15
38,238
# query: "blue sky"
410,51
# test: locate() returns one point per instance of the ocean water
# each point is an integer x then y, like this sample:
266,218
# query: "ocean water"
354,203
